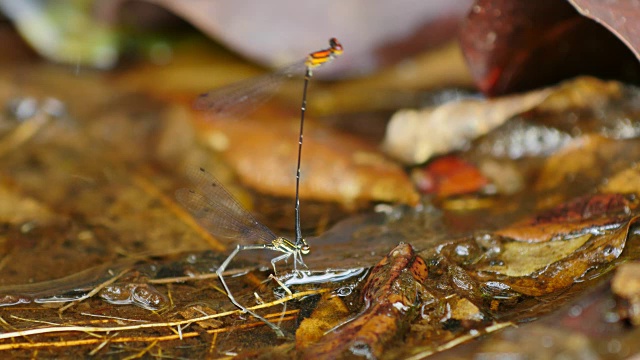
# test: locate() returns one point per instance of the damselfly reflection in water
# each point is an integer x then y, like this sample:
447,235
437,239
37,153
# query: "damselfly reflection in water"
216,209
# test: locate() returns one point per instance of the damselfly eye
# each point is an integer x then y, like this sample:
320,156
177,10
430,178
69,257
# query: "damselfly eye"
335,45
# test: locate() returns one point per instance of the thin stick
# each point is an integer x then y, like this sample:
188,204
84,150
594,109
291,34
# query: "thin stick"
143,351
459,340
102,345
213,343
181,279
70,343
113,317
73,328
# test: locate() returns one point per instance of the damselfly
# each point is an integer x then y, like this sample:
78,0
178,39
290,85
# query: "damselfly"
216,209
242,96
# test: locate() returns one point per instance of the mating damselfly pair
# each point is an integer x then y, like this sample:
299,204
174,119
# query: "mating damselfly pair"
216,209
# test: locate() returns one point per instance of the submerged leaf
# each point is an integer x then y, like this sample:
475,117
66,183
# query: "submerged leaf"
576,216
597,251
463,309
196,311
522,259
329,313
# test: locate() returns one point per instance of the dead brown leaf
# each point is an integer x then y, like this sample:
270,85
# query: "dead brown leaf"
625,181
337,167
197,311
414,136
575,216
329,313
626,286
390,293
589,158
523,259
599,250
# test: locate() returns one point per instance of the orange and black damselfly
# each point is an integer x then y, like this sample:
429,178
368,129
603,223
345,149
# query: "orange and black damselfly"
216,209
245,95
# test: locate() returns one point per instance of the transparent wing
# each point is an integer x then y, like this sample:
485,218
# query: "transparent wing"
239,98
219,212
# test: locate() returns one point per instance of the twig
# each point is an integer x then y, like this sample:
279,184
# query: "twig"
68,343
5,324
113,317
459,340
35,321
142,352
181,279
213,343
72,328
170,296
102,345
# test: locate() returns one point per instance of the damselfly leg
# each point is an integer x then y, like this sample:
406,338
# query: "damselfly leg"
221,214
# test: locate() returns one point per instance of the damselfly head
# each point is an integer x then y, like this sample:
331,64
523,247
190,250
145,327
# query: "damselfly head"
336,47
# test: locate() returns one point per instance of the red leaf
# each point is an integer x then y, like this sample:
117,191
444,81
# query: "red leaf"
621,17
516,45
449,175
